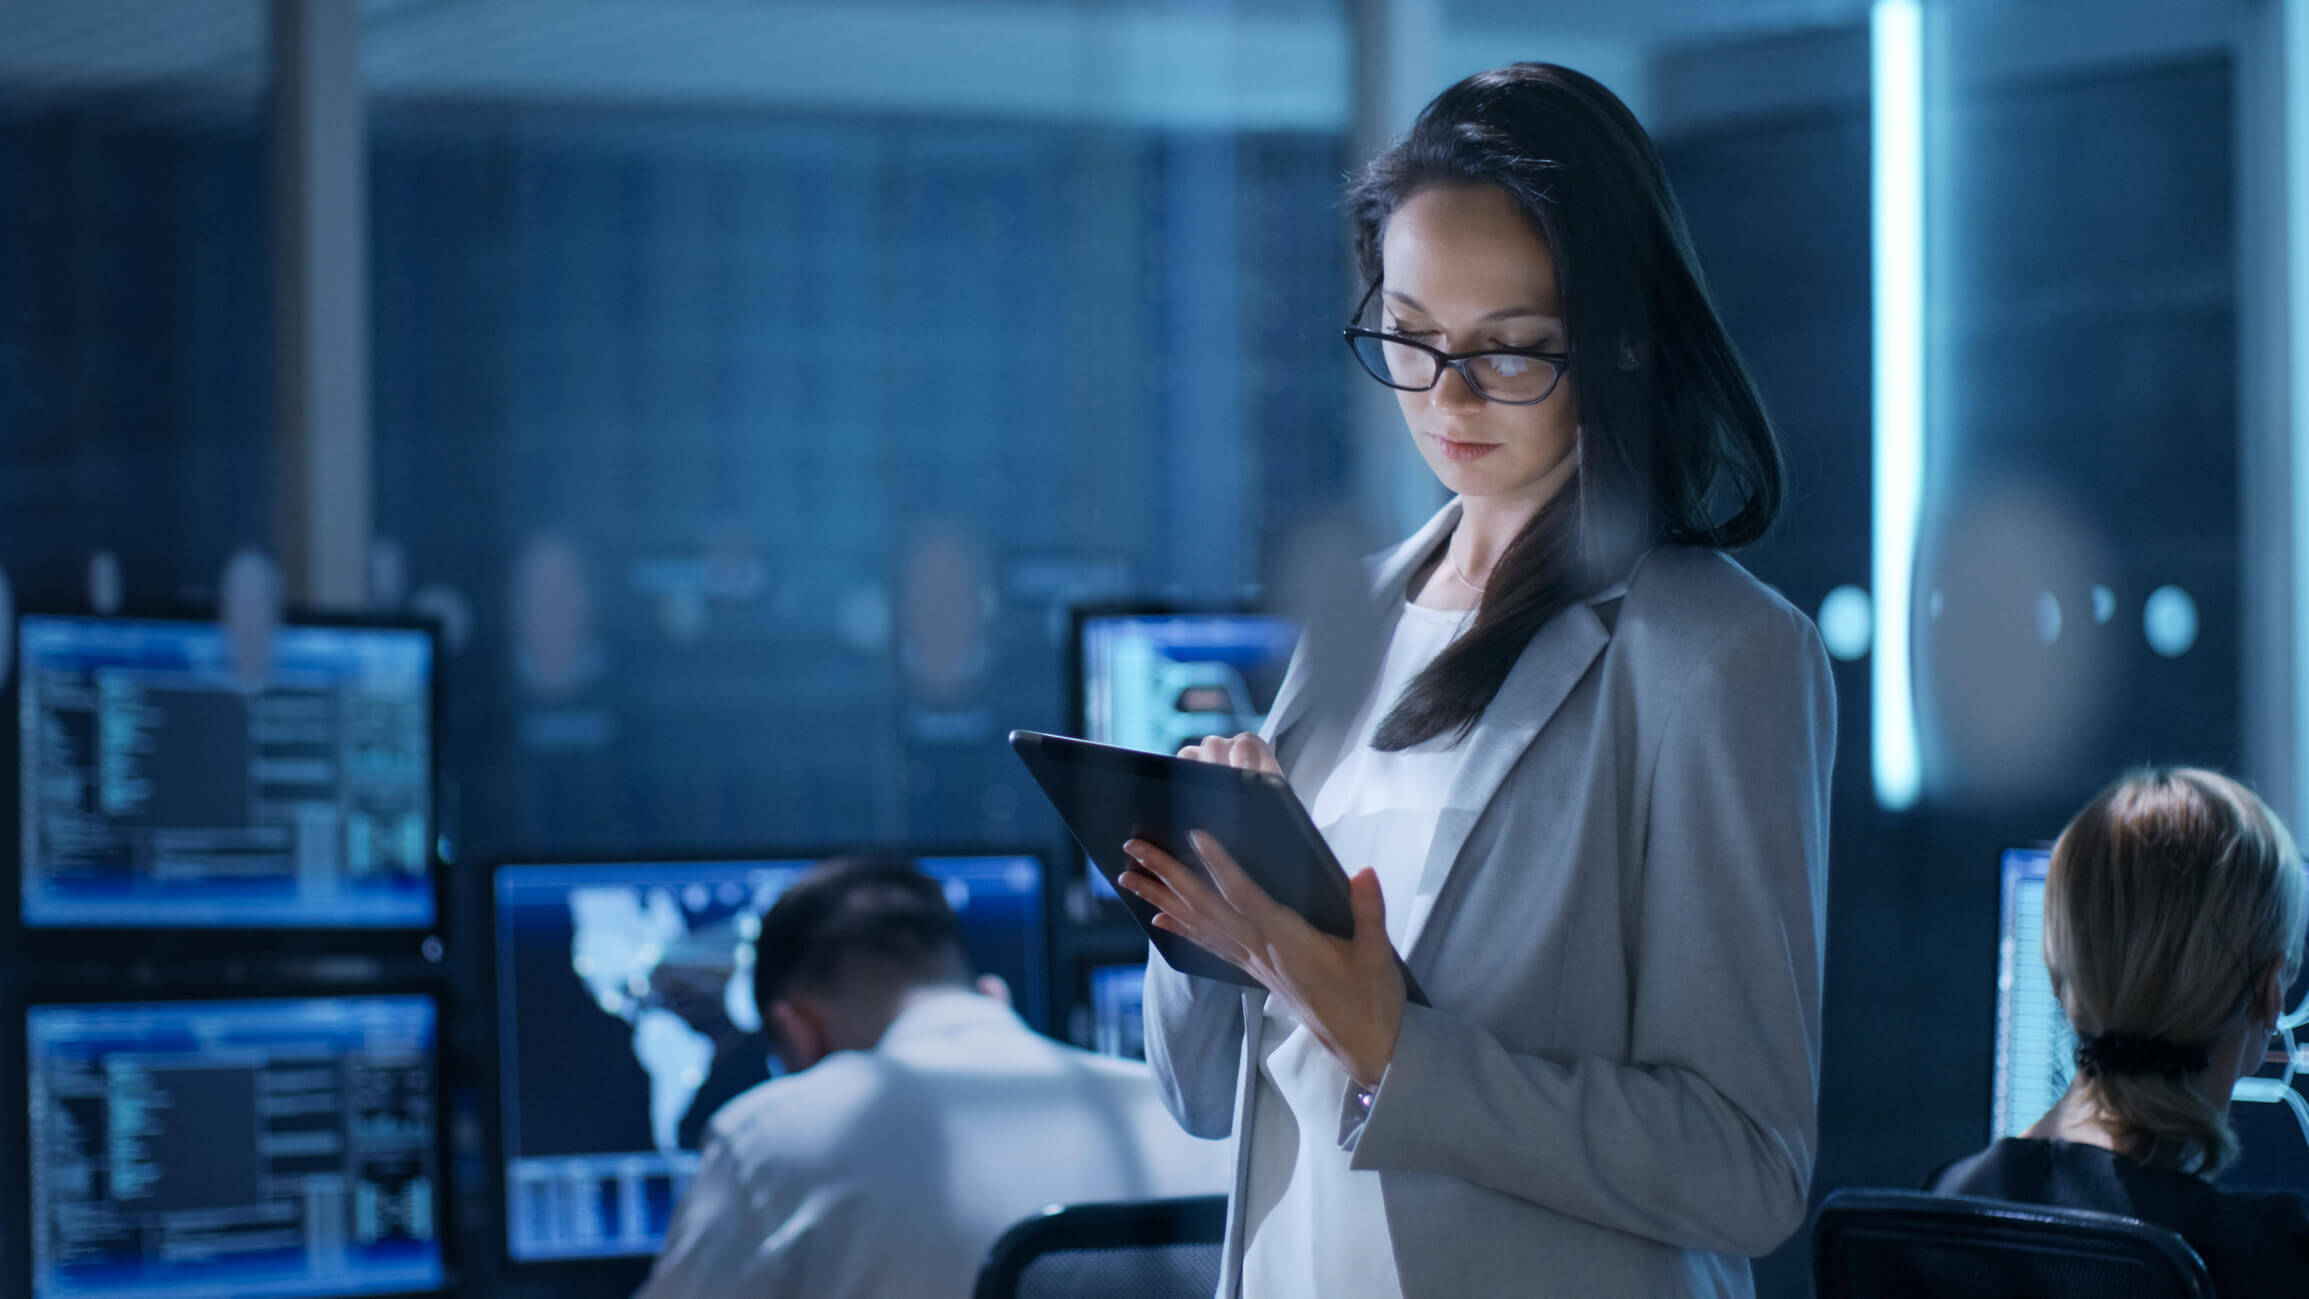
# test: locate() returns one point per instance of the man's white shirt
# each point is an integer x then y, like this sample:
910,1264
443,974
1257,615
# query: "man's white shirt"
891,1171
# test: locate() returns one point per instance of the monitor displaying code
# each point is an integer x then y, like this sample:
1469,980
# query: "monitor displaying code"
626,1020
2035,1048
160,789
234,1148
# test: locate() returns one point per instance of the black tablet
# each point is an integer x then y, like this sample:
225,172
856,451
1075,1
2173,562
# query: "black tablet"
1109,796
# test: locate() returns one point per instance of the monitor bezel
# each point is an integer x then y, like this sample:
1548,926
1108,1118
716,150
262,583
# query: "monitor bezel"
182,941
15,1082
623,1272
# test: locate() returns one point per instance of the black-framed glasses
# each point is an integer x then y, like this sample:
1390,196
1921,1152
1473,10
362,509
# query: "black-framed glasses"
1511,376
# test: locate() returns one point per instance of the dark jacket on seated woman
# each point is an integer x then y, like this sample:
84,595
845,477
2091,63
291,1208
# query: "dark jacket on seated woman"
2173,917
2253,1242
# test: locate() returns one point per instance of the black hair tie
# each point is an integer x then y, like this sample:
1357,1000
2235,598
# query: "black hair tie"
2122,1053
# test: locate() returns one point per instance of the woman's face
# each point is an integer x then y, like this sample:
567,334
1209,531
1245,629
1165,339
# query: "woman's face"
1466,270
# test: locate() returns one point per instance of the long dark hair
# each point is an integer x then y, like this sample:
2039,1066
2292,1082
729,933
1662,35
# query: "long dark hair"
1674,444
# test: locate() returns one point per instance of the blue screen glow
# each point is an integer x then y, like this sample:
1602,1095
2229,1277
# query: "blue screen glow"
626,1019
138,1188
161,790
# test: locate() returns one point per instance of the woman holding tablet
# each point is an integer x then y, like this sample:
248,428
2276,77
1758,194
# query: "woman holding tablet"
1582,764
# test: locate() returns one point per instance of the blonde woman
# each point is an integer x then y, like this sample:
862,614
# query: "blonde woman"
2173,919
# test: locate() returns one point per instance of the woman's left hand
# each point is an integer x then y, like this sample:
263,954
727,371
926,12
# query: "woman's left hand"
1347,991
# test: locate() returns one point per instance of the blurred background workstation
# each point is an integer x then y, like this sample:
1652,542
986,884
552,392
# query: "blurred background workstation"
492,490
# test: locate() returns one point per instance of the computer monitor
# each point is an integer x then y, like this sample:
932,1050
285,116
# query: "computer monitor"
1118,1010
1159,679
158,789
220,1149
626,1018
2036,1048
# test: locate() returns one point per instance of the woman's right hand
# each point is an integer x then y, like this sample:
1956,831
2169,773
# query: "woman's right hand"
1246,751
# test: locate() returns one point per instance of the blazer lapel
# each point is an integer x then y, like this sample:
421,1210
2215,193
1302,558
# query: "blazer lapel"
1543,677
1290,697
1391,574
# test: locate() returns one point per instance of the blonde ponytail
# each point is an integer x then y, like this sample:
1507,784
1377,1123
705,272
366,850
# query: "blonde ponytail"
2169,898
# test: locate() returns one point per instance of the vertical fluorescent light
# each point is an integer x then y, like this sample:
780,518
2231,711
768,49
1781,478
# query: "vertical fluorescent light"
2295,143
1896,112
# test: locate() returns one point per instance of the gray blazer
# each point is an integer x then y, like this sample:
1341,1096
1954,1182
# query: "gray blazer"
1614,1092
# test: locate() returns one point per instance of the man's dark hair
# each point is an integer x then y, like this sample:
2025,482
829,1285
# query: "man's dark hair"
879,909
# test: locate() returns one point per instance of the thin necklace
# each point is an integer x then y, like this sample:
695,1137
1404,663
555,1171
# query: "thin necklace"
1451,562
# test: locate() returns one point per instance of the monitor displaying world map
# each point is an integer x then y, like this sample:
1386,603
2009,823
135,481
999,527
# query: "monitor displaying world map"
626,1018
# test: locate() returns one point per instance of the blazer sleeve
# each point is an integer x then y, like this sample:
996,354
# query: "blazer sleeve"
1194,1027
1705,1138
1194,1045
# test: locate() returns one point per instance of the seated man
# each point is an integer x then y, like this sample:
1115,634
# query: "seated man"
2173,917
920,1119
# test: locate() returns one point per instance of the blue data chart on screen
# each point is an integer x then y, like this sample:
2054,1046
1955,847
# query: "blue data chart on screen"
234,1149
626,1020
1118,1008
1159,682
159,789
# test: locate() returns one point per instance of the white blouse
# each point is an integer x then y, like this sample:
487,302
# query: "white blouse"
1317,1227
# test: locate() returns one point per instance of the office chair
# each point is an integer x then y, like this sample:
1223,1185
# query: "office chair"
1914,1245
1150,1249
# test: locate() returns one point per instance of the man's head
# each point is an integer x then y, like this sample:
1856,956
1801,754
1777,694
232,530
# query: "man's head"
844,949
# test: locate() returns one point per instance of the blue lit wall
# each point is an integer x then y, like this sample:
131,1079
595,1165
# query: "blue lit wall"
809,344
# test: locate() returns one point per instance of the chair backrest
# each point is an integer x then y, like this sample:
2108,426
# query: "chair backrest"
1914,1245
1148,1249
